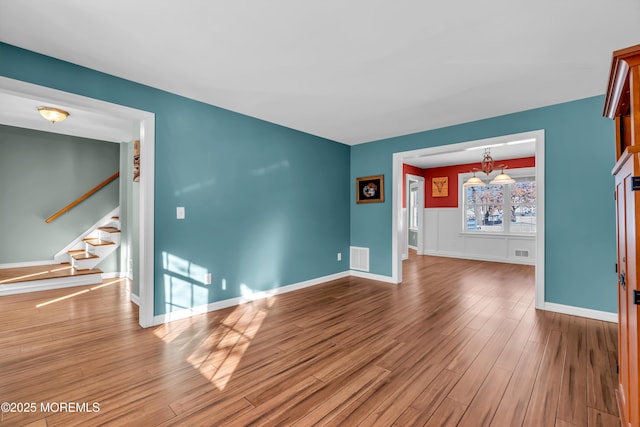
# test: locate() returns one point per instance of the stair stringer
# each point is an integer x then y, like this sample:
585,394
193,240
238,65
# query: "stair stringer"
79,244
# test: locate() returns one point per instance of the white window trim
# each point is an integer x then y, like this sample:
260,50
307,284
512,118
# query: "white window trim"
514,173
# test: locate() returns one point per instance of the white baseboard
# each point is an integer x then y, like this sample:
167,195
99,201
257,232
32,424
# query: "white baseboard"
48,284
27,264
115,275
581,312
479,258
123,275
371,276
218,305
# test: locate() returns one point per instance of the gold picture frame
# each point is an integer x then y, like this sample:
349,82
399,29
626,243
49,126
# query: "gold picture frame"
370,189
440,186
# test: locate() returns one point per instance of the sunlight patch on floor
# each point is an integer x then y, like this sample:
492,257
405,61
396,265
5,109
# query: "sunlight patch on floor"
84,291
219,355
169,331
33,275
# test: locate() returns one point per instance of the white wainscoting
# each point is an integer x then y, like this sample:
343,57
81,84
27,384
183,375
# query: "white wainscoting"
443,237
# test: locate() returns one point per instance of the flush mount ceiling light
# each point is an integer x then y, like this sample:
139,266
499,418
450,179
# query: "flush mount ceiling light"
54,115
488,166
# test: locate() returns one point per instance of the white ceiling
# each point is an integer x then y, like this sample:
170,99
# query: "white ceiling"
21,111
351,71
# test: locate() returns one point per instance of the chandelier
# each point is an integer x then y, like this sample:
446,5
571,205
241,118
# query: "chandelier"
487,165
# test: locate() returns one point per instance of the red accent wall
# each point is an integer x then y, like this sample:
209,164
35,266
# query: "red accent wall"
451,201
411,170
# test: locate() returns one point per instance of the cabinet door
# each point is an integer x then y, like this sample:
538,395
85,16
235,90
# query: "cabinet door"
623,337
628,209
632,217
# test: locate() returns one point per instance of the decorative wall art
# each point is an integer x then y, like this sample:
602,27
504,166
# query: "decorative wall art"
136,160
440,186
370,189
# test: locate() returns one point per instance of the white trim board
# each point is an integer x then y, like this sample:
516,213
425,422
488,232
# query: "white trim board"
371,276
115,275
28,264
135,299
477,258
581,312
49,284
219,305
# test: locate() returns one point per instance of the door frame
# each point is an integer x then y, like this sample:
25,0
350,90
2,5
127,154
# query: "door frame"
396,226
420,181
144,123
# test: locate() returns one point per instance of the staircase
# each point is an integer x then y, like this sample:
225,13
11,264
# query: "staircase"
73,266
95,246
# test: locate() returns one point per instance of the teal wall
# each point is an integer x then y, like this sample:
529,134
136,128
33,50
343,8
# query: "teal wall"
580,250
40,173
266,206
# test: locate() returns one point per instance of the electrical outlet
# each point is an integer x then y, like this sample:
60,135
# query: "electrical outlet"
339,256
207,278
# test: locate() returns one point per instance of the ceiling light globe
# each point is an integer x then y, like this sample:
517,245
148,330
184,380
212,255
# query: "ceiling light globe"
54,115
502,179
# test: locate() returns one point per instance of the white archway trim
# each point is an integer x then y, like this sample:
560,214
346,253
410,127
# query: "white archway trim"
398,160
146,122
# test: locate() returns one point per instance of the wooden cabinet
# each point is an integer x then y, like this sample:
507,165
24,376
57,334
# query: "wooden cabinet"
622,104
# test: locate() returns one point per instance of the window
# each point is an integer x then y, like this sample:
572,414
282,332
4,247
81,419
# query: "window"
501,208
413,206
523,207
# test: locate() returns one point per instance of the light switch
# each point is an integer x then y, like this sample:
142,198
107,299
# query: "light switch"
180,212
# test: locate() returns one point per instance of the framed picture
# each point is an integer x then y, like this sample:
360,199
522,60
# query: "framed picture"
440,186
370,189
136,160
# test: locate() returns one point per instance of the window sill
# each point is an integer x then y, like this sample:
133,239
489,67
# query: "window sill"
497,234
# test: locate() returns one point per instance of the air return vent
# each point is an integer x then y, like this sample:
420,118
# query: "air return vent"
359,258
522,253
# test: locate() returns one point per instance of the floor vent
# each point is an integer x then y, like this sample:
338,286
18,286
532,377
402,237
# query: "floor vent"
359,258
522,253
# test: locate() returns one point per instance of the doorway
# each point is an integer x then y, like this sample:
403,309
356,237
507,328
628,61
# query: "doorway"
143,124
400,158
413,215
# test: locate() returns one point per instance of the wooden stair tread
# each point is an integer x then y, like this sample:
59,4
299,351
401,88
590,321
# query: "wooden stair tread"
98,242
80,254
109,229
42,272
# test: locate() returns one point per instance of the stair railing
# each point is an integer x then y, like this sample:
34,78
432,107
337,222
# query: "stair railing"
82,198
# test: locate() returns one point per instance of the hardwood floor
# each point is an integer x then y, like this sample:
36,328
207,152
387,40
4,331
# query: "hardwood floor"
41,272
457,344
